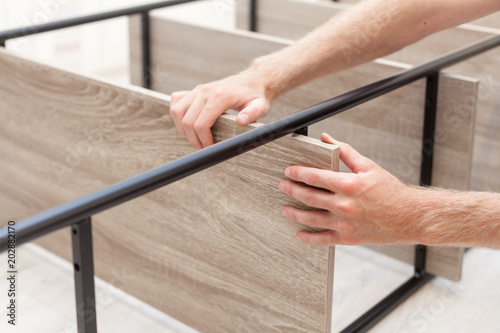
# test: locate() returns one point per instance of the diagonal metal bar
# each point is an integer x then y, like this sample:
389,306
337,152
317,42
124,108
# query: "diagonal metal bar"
69,213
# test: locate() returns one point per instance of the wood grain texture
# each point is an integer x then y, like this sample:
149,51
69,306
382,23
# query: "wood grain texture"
211,250
280,17
387,129
440,306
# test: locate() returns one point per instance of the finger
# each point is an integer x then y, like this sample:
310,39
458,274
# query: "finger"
252,111
310,196
326,179
179,104
207,119
177,96
351,158
189,120
325,238
315,219
325,137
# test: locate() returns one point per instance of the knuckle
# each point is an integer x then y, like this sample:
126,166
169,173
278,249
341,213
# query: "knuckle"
287,188
344,206
293,216
175,96
346,229
202,88
349,185
175,110
218,93
311,220
198,126
311,178
187,123
332,183
323,241
308,198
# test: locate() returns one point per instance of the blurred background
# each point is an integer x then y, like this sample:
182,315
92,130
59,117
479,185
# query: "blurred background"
97,48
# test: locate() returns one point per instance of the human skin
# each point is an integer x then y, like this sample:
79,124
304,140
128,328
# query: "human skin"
369,206
371,29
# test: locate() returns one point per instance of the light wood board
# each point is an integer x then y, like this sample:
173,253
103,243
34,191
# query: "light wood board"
280,17
490,21
440,306
387,129
211,250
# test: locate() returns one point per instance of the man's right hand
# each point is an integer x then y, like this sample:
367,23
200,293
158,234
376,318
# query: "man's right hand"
196,111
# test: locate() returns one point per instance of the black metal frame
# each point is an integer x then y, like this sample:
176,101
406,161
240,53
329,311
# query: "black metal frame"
420,276
78,213
73,22
83,263
253,15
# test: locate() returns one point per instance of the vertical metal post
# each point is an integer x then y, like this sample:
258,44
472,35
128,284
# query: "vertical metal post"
303,131
2,42
420,258
420,276
428,137
83,262
253,15
431,100
146,50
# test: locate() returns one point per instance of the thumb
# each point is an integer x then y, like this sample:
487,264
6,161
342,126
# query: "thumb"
351,158
252,111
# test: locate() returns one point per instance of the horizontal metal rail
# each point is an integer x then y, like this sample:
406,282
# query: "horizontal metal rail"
72,22
77,210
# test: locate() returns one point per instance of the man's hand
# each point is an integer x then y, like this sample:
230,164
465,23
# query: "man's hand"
348,39
363,207
195,112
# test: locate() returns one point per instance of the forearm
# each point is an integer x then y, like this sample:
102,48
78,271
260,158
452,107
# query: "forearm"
456,218
371,29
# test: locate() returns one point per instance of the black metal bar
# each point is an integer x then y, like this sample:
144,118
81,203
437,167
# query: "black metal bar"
146,51
2,42
383,308
118,193
253,15
431,100
379,311
303,131
420,260
51,26
83,262
420,277
428,137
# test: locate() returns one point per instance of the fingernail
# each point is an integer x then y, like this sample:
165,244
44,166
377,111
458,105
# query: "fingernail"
282,186
284,212
287,172
244,119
